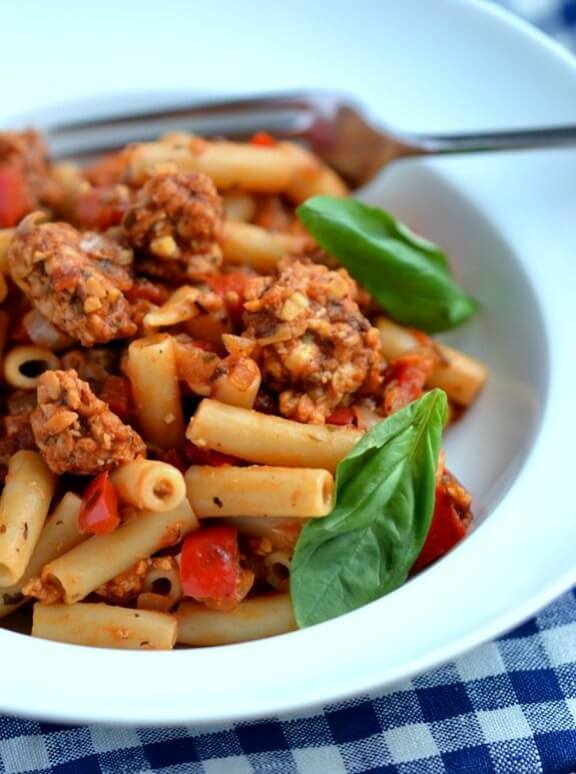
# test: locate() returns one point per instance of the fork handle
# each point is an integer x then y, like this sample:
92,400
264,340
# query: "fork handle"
378,149
546,137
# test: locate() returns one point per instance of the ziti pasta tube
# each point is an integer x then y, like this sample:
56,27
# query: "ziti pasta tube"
24,506
162,589
76,574
104,626
277,566
59,535
249,245
252,619
238,382
179,307
259,490
229,164
149,484
239,206
151,368
28,357
459,375
311,176
267,439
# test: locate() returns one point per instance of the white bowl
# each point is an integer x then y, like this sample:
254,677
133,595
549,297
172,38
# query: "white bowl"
507,221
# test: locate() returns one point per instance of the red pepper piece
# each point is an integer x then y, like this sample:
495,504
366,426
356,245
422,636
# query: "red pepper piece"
99,510
343,415
231,288
15,199
445,531
210,564
263,139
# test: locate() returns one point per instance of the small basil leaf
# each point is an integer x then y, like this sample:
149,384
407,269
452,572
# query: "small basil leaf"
408,275
385,490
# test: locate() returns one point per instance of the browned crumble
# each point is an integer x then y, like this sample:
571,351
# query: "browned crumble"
316,348
75,431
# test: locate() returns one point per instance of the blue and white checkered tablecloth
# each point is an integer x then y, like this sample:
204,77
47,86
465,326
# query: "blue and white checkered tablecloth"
509,707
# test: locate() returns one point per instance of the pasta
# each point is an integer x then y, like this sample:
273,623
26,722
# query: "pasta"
69,175
238,384
60,534
249,245
189,368
311,178
228,164
23,365
152,370
179,307
150,485
162,588
459,375
259,491
278,570
24,505
269,440
74,575
281,533
253,619
105,626
239,206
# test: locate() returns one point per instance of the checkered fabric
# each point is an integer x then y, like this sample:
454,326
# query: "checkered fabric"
509,707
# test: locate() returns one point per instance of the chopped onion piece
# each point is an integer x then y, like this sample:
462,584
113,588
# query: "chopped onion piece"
43,333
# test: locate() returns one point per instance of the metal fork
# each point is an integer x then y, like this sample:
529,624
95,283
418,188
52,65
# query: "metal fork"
329,124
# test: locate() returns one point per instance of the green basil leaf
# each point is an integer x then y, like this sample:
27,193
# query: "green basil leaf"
385,490
408,275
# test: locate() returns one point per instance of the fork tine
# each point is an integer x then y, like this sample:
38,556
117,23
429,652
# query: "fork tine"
284,115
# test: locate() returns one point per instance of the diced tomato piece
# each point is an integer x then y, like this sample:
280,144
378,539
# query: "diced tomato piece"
117,393
445,531
198,456
405,379
99,209
343,415
145,290
210,565
15,198
264,139
231,288
99,510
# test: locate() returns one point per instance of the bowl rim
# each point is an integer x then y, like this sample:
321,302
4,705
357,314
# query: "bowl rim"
102,701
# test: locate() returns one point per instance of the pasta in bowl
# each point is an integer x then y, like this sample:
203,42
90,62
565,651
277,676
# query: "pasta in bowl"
224,407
